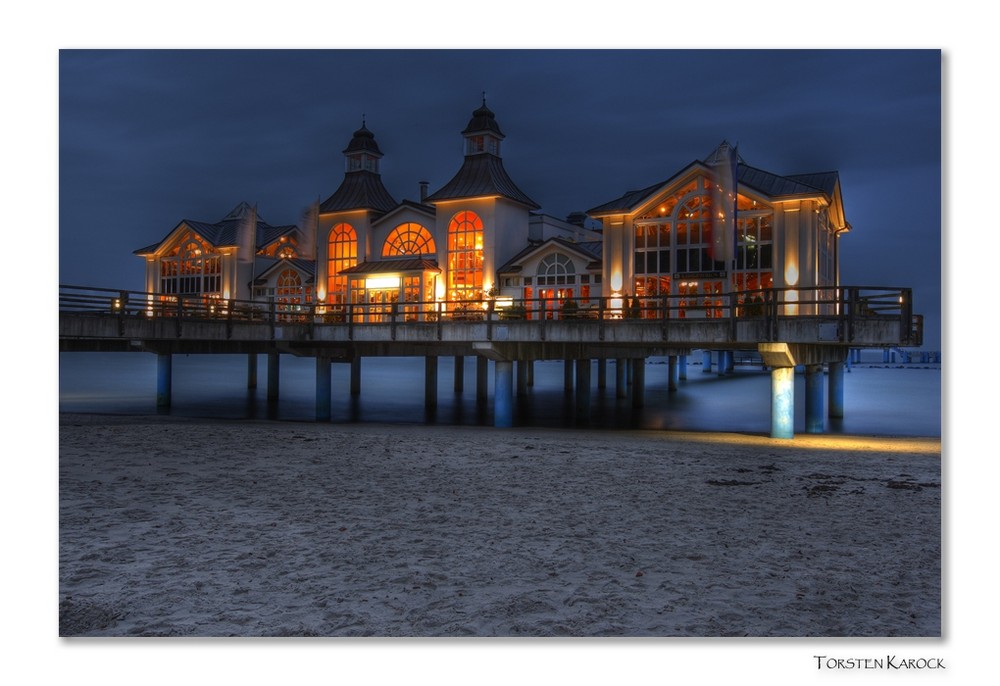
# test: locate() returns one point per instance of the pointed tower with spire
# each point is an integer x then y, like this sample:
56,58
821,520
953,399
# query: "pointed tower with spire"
345,218
482,215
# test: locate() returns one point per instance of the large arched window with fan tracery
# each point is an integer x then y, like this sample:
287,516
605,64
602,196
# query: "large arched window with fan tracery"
408,239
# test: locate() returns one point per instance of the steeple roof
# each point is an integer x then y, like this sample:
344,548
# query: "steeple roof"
483,121
361,189
363,141
482,175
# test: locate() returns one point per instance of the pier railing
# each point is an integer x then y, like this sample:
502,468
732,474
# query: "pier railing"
847,306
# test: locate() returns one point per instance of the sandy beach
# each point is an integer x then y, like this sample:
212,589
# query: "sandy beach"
186,527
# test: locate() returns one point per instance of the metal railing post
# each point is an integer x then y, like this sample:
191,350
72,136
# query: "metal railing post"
541,321
600,318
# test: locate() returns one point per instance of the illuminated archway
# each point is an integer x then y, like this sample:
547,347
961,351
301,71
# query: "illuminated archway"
342,254
465,257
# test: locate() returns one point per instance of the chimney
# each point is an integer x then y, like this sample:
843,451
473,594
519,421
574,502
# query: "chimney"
423,190
576,218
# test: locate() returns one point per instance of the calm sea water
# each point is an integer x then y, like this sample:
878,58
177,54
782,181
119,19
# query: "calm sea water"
886,400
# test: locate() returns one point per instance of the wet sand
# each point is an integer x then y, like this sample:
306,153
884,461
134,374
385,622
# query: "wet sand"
184,527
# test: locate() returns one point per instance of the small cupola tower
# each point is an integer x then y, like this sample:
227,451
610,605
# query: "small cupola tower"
483,134
362,153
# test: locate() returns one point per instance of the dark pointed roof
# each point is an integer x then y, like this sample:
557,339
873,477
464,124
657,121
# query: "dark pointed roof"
481,175
224,233
483,121
360,190
363,141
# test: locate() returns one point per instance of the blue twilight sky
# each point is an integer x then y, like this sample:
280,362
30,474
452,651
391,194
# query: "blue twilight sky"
150,137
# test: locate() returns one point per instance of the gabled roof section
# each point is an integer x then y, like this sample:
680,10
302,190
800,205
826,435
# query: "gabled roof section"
766,183
635,199
225,232
268,265
775,186
428,210
482,175
360,190
591,250
824,181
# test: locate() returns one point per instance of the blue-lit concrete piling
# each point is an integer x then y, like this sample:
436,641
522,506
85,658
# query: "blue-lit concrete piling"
430,382
602,373
582,389
782,402
324,389
721,363
164,374
835,389
682,367
356,376
503,394
531,373
814,399
273,375
706,361
672,373
568,376
522,378
459,373
621,378
638,383
482,380
252,370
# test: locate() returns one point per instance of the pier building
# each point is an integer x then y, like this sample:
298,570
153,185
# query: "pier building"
720,256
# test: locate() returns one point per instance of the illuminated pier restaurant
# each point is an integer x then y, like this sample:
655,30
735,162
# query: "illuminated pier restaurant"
718,257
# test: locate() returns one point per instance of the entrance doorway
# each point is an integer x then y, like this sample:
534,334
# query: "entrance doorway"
700,298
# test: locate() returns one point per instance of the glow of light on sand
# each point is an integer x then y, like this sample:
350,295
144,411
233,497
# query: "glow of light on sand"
824,442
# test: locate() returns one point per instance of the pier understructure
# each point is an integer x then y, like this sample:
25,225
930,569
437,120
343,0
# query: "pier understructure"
812,331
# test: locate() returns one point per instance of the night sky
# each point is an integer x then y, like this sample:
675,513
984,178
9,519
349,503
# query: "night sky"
147,138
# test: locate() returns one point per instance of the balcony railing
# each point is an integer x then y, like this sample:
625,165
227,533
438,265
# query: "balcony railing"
847,304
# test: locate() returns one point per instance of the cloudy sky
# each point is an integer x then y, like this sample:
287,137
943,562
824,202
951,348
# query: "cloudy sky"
147,138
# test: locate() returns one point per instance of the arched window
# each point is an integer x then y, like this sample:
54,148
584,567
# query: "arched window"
289,282
342,254
465,257
192,268
556,269
408,239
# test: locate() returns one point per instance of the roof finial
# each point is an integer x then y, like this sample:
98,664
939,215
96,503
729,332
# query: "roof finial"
362,120
484,98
